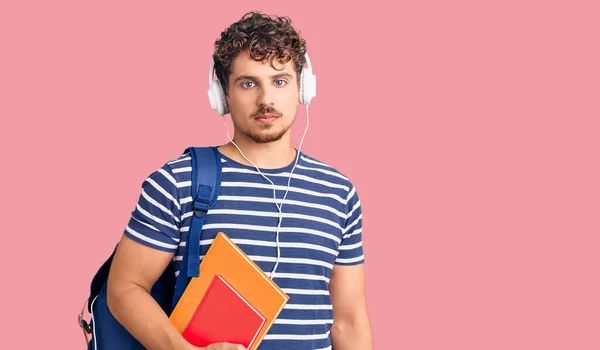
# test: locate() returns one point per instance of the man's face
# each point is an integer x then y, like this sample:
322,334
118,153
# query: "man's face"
263,101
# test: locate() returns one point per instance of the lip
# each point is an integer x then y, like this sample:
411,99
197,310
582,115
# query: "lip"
266,117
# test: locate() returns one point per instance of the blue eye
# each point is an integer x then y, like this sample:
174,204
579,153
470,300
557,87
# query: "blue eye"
245,84
282,82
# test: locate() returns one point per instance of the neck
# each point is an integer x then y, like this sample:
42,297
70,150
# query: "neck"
270,155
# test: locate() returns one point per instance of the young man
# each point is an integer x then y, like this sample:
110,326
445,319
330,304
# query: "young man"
258,61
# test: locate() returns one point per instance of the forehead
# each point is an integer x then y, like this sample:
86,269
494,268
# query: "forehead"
244,65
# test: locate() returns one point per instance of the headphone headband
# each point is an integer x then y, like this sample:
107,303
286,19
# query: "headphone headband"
308,61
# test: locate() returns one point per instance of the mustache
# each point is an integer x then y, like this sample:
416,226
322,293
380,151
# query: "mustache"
267,110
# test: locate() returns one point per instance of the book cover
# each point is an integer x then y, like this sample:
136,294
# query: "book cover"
223,315
224,258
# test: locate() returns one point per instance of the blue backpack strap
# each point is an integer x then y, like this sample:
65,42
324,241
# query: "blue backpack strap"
206,183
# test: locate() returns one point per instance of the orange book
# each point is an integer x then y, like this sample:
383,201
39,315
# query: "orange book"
225,259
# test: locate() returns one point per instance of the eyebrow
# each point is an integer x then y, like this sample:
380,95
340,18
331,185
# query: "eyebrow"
250,77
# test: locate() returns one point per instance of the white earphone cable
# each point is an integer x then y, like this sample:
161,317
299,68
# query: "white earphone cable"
279,206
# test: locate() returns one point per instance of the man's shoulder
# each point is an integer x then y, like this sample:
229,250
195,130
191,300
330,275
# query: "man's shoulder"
174,169
324,169
182,160
178,164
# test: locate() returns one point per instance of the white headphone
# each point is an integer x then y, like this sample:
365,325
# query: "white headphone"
216,96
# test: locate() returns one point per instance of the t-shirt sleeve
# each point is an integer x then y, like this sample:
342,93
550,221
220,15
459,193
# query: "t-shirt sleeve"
155,222
351,248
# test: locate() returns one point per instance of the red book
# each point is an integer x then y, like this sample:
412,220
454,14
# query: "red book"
223,315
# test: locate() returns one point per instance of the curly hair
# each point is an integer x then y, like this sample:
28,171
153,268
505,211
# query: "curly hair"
264,37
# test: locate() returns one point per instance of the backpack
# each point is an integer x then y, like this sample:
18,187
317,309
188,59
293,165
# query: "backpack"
107,333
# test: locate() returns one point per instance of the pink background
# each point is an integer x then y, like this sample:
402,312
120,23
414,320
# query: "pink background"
480,179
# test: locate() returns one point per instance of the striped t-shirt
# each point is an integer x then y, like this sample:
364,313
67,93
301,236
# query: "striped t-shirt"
321,226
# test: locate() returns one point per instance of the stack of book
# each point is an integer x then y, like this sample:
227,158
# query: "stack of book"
232,300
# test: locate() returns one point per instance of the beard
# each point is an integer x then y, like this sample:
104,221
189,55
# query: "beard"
267,133
261,137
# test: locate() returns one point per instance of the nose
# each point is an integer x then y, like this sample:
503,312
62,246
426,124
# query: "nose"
265,96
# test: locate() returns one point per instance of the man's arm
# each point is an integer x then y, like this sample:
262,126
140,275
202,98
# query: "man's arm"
351,327
149,242
134,270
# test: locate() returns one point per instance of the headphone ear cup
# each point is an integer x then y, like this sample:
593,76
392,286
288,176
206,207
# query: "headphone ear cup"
217,99
308,86
223,99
